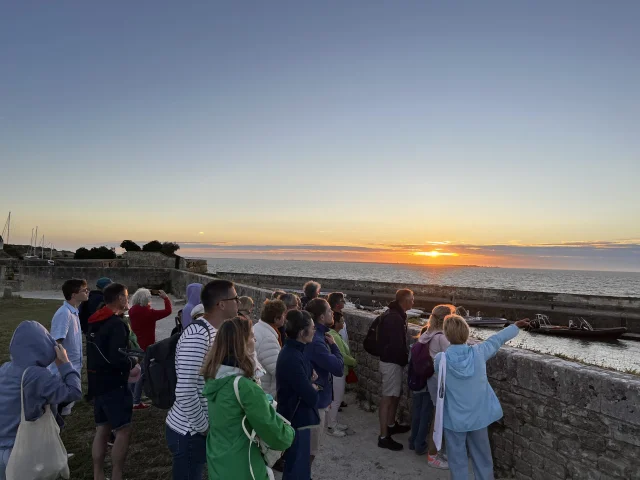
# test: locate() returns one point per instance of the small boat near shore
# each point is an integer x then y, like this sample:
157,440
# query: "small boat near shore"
480,321
578,328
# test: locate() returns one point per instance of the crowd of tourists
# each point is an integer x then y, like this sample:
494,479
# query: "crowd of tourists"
244,396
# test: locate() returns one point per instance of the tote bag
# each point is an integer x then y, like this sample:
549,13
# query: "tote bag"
439,423
38,452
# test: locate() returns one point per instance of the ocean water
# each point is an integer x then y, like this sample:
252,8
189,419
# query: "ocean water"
618,284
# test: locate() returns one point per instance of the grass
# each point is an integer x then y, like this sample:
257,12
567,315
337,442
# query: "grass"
148,458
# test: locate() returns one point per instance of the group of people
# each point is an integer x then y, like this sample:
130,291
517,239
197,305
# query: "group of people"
282,378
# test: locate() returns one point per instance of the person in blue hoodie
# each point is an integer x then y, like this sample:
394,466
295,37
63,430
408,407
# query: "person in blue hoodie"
297,394
327,361
470,404
32,349
193,298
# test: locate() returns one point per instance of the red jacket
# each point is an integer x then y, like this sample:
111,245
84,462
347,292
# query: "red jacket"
143,322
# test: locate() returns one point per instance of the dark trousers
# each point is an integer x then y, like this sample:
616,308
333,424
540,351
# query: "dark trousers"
189,454
296,458
421,413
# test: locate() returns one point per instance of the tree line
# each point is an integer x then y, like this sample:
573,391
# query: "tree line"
106,253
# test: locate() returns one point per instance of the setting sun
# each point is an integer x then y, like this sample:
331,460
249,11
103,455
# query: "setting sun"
436,253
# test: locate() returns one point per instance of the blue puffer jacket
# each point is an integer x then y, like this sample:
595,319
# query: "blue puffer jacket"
32,347
296,398
327,362
469,401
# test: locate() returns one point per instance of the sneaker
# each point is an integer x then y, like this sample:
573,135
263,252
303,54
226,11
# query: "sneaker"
343,405
334,432
436,461
397,429
389,443
339,426
141,406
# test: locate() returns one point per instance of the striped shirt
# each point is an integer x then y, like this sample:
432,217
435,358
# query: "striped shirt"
188,415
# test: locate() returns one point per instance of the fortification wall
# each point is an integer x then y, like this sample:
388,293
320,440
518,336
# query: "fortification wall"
561,419
601,311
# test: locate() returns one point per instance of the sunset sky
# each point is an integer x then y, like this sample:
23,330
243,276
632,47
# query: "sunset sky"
488,133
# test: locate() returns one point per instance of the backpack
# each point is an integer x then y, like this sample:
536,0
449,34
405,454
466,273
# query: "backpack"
371,342
420,365
160,369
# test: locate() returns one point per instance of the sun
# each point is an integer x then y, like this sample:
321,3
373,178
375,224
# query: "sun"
435,254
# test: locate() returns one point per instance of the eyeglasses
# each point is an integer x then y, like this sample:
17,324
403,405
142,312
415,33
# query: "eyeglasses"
236,299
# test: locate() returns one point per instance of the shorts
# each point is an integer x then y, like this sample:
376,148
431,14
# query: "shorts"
391,379
114,408
317,433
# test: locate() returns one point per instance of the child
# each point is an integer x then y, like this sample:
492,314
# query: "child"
32,350
470,404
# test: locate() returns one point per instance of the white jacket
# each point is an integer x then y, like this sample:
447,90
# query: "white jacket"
267,350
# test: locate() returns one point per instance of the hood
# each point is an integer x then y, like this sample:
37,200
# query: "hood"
193,294
460,361
225,375
427,336
396,306
101,315
32,345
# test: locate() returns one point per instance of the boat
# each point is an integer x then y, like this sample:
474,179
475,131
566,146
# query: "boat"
480,321
578,328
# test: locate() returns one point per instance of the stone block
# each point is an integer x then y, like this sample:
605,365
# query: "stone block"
537,435
533,458
522,467
614,467
555,469
620,399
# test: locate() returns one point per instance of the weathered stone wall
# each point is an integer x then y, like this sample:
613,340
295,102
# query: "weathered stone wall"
149,259
562,420
601,311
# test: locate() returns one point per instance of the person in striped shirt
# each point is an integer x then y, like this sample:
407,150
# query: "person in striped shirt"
187,422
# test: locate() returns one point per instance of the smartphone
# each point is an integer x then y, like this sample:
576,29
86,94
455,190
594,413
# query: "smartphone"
154,292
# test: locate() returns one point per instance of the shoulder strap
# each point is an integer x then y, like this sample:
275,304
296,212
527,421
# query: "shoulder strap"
22,419
205,326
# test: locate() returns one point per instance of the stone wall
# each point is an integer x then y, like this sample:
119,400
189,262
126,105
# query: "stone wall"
601,311
149,259
562,420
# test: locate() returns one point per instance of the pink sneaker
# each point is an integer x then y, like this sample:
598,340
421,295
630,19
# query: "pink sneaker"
141,406
436,461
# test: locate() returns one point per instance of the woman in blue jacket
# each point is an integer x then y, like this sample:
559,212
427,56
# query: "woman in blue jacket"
470,404
297,395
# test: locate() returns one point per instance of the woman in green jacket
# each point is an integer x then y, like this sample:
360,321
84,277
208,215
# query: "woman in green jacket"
230,455
334,428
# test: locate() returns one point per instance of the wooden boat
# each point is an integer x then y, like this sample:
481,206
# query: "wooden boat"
578,328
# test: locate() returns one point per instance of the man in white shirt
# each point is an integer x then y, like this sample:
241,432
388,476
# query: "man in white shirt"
65,328
188,422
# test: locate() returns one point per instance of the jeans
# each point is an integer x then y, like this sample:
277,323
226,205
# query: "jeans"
296,458
477,443
189,454
421,413
136,388
339,384
4,460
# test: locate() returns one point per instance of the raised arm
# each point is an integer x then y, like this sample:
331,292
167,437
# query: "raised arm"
165,312
491,345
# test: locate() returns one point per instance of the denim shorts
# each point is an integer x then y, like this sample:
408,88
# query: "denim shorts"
114,408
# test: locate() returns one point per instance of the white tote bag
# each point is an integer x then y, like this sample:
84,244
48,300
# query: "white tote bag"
438,425
38,452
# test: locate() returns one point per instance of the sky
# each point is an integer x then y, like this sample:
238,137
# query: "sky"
487,133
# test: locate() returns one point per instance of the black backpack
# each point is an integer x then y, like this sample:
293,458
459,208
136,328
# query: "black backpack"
160,369
371,341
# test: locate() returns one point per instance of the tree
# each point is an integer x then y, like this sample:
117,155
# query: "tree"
153,246
81,254
130,246
170,248
104,253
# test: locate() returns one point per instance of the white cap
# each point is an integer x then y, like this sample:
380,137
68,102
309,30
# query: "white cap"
197,310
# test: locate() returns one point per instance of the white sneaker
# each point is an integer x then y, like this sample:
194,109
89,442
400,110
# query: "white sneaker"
340,426
334,432
436,461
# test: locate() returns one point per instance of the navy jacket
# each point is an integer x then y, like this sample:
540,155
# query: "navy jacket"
392,333
327,362
297,399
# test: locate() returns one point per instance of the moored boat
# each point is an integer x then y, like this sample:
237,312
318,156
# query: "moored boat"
578,328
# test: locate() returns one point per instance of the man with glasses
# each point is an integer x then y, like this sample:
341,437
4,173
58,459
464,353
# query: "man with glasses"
188,420
66,330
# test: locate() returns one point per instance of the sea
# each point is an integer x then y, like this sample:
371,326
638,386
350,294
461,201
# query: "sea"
620,355
617,284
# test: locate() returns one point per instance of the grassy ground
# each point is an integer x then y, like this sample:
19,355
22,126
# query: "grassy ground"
148,459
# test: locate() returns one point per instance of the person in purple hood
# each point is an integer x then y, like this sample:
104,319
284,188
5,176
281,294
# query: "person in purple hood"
193,298
32,350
